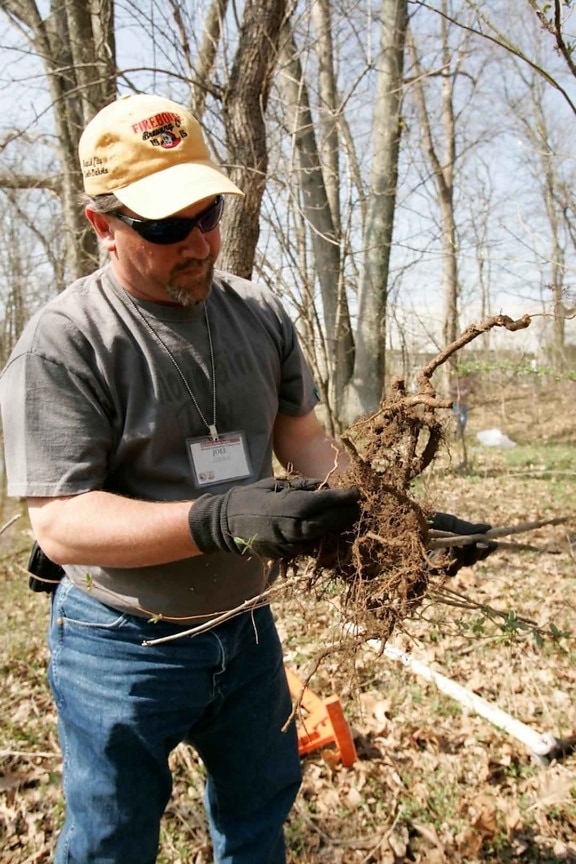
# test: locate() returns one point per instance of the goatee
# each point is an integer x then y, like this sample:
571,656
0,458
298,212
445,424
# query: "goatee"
196,291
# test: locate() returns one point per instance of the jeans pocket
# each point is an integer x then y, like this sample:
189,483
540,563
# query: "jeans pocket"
75,607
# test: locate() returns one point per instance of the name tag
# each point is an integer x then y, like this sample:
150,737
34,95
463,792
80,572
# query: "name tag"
218,460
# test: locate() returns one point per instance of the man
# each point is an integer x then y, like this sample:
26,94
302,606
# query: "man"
141,408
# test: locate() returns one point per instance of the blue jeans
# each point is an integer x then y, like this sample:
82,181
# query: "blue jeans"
123,707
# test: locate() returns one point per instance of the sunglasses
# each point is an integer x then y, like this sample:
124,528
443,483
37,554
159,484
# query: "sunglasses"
174,230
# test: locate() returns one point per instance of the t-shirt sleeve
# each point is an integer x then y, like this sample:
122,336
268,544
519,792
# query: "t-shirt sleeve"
57,436
297,393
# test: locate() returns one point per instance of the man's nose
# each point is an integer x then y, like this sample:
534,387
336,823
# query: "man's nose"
196,245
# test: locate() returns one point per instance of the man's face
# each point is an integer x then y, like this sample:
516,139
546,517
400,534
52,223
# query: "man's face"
176,274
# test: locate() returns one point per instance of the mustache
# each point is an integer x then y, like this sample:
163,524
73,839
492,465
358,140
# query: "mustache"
195,264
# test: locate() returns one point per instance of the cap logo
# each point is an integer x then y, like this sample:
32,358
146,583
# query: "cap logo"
159,130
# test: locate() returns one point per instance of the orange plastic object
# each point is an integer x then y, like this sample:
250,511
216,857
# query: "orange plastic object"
324,722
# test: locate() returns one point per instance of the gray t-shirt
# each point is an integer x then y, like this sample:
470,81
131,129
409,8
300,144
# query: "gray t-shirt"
97,395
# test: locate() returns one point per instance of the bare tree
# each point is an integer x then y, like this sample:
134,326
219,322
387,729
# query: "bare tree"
443,166
325,132
75,43
367,385
14,272
541,72
77,47
245,102
318,187
553,189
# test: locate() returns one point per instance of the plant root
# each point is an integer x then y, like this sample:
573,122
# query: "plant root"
385,563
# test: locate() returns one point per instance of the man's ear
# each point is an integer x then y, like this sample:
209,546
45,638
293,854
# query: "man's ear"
101,224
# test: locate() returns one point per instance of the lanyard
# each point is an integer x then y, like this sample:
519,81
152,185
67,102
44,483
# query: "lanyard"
212,430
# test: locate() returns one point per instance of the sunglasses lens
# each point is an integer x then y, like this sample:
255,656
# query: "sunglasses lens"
163,232
212,217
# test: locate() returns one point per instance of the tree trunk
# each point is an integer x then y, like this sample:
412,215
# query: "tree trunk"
324,234
245,104
329,148
443,171
206,56
367,386
445,179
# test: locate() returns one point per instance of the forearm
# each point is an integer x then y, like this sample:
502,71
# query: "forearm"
99,528
302,443
321,458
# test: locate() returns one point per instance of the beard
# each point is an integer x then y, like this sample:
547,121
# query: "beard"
191,283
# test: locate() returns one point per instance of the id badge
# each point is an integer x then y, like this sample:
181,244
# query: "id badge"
218,460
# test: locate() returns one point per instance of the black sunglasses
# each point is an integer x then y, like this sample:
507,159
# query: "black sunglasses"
174,230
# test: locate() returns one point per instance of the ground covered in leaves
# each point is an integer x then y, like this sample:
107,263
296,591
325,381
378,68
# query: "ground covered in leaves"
433,781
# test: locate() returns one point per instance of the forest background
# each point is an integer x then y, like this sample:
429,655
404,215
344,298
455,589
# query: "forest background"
408,166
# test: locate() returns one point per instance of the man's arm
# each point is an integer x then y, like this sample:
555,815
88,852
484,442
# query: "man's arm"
111,531
273,518
302,443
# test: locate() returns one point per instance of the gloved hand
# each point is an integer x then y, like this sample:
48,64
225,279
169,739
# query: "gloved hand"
272,518
462,556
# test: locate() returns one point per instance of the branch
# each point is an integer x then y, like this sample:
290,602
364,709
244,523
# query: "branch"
9,523
29,181
467,336
262,599
502,42
556,30
444,539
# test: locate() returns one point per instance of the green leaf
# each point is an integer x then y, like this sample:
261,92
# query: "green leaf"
245,546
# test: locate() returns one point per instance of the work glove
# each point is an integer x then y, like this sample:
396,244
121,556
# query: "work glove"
272,518
461,556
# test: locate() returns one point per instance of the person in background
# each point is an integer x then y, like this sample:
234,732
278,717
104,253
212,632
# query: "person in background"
460,392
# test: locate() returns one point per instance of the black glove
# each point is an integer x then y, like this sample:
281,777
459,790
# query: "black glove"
272,518
462,556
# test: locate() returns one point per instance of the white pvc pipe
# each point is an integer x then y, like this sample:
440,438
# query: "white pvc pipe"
541,744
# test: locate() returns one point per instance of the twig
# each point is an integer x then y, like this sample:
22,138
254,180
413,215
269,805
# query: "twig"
449,597
9,523
262,599
29,754
525,547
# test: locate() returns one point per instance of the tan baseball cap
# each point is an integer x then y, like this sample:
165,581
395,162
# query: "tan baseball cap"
150,152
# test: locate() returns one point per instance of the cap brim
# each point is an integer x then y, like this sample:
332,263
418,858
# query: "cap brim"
169,191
